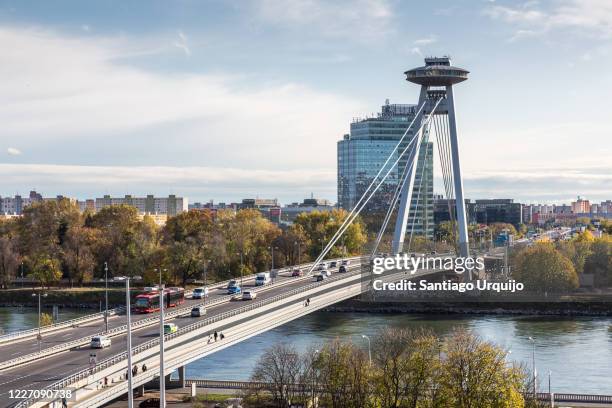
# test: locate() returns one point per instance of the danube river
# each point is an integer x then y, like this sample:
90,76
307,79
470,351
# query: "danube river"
577,351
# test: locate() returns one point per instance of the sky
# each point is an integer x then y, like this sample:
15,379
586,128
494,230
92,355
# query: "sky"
227,100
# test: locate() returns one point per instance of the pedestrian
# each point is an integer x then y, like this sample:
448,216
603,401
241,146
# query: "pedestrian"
222,336
308,302
216,335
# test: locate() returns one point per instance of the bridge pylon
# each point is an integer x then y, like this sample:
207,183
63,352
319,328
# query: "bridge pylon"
436,78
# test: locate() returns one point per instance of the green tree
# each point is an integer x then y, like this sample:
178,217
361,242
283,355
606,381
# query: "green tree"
544,269
599,261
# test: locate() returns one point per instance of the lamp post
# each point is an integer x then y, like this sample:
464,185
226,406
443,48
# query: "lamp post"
312,370
22,274
369,347
39,337
129,341
297,243
106,296
241,268
162,378
533,366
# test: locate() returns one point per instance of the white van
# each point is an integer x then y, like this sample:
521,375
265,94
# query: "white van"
100,342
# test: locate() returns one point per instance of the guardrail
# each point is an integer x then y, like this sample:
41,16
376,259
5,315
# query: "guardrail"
57,326
109,362
257,385
138,324
22,334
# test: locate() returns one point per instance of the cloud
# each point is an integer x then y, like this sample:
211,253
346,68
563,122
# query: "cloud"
12,151
77,100
365,20
589,17
416,50
191,181
426,41
182,44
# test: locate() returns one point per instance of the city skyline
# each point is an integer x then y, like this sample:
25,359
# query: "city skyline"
174,99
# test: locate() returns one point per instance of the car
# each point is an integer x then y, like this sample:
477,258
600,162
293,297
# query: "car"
198,311
199,293
322,266
320,277
342,269
248,295
235,298
297,272
345,262
233,290
170,328
149,403
333,264
232,283
100,342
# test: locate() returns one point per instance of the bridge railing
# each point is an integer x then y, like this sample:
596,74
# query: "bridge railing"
109,362
135,325
21,334
257,385
8,337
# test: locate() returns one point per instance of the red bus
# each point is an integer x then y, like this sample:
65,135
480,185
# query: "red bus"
149,302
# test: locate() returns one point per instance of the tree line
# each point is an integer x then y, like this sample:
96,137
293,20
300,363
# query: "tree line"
407,368
556,266
53,240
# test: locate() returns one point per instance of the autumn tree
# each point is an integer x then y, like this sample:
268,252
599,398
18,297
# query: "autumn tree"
78,253
280,366
125,242
320,226
407,364
599,261
9,260
544,269
475,373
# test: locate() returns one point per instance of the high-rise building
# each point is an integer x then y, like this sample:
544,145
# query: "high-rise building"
363,152
581,206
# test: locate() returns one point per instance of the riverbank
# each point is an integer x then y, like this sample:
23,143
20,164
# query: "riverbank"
565,308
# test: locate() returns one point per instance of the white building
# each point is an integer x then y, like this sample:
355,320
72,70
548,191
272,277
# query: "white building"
171,205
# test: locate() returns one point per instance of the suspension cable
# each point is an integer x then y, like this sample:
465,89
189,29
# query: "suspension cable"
356,213
346,220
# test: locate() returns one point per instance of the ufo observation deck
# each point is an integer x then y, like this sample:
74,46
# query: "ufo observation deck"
437,72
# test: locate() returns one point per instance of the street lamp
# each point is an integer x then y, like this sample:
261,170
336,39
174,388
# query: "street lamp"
297,243
106,296
533,366
129,341
313,377
241,267
369,347
162,378
39,294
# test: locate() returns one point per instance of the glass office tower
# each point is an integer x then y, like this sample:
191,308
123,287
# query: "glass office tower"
363,152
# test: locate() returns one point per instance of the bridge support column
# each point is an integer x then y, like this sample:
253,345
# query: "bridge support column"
139,391
181,373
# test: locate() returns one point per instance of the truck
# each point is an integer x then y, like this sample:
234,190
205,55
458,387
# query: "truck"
262,278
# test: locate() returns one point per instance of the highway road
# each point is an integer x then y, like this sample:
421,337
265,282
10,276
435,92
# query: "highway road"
10,351
39,374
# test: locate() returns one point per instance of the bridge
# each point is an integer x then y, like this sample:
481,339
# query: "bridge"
64,361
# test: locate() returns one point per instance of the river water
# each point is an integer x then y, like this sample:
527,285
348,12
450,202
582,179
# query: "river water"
577,350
